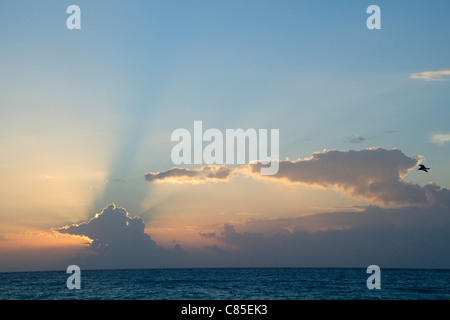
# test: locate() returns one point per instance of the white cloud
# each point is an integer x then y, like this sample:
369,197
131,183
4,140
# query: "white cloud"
440,138
438,75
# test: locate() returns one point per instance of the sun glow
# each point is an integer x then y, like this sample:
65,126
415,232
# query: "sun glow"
42,239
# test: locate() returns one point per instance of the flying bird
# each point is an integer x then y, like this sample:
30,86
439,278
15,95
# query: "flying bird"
423,168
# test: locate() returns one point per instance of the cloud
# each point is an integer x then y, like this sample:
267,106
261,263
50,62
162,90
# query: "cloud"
208,235
356,138
417,237
182,175
440,138
438,75
374,174
405,225
119,240
103,228
392,237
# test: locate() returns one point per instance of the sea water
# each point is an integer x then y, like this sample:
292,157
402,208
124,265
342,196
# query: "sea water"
228,284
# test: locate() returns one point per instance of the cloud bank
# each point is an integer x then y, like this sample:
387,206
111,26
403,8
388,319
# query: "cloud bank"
389,237
411,229
413,237
375,174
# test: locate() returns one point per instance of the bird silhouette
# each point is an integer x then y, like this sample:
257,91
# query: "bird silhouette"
423,168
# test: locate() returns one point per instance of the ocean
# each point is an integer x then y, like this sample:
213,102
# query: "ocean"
228,284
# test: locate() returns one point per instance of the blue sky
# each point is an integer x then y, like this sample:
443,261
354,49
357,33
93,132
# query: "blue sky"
95,107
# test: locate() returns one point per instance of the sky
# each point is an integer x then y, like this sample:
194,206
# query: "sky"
86,118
